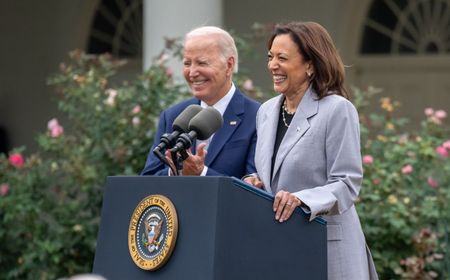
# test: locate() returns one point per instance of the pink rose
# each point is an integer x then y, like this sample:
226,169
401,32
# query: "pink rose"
442,151
4,189
55,128
446,144
136,121
57,131
367,159
407,169
136,109
440,114
16,160
376,181
429,112
52,123
432,182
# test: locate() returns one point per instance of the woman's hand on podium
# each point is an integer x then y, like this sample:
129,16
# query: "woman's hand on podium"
252,179
284,205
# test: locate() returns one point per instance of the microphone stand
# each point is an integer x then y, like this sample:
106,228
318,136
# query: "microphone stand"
175,162
178,161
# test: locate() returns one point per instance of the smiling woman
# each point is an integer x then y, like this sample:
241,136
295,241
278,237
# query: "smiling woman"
290,70
308,151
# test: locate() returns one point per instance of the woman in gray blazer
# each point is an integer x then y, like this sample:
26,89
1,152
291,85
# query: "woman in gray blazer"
308,149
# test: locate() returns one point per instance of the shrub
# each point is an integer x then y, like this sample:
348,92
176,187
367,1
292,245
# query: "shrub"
405,197
50,201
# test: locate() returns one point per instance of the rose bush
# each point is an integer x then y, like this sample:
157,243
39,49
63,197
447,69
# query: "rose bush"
50,201
406,191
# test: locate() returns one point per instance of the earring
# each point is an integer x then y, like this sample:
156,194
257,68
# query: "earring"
308,74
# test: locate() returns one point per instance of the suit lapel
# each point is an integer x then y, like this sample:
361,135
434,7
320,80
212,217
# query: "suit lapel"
267,130
231,122
307,108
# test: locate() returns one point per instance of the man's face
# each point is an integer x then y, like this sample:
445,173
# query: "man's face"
206,70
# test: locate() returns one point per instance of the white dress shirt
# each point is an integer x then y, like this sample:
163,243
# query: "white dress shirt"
220,106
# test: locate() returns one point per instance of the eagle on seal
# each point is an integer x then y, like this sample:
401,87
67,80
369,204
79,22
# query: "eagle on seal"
153,237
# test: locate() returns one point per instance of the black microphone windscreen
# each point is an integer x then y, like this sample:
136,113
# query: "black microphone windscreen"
206,122
181,123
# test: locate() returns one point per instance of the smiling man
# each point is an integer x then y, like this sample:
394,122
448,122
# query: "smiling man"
210,58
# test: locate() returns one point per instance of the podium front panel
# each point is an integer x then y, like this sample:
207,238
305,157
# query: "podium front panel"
256,246
195,201
224,232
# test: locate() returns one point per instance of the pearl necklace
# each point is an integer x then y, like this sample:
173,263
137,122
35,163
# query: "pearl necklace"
283,109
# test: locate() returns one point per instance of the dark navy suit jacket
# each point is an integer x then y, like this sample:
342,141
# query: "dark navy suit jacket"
232,149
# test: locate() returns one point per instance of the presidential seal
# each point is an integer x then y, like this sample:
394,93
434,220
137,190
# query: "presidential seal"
153,232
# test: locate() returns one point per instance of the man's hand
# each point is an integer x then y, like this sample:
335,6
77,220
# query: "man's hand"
194,164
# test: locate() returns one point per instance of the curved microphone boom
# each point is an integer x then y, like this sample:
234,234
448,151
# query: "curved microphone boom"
179,126
201,126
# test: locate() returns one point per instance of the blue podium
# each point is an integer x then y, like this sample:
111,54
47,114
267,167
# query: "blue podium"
226,230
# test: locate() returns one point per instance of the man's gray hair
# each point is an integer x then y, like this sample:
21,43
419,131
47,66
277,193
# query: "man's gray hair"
226,42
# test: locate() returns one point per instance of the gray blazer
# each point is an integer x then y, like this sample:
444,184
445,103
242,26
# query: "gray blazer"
319,161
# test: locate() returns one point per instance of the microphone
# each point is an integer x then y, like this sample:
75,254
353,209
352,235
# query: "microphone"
180,125
201,126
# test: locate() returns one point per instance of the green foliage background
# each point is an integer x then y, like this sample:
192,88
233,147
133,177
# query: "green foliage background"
49,218
405,216
50,209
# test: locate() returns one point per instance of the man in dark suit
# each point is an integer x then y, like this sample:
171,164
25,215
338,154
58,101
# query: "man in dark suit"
210,58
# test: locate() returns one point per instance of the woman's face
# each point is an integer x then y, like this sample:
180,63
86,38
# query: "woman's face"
287,67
